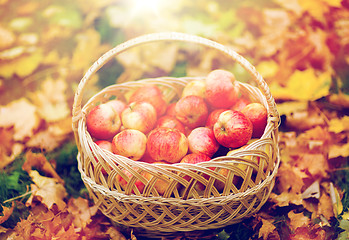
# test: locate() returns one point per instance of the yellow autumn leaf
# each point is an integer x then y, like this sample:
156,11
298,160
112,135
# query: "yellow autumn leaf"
303,85
22,115
47,190
316,8
338,125
338,150
297,220
267,68
51,100
21,66
266,229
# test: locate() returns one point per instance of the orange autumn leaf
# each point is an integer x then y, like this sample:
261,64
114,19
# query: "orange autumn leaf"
266,229
297,220
314,232
39,161
51,100
21,115
81,211
6,213
286,198
46,190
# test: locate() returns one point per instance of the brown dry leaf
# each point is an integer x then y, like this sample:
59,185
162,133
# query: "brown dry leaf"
6,213
51,100
340,99
315,164
266,229
47,190
81,211
20,114
39,161
286,198
314,232
290,178
114,234
297,220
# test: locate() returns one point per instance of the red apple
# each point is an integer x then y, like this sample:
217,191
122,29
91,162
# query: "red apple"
170,122
140,116
202,140
130,143
232,129
240,104
151,94
103,122
191,111
170,111
124,181
117,105
258,115
195,87
213,116
160,185
194,158
221,90
166,144
104,144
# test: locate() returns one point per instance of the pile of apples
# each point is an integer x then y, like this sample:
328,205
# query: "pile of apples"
210,115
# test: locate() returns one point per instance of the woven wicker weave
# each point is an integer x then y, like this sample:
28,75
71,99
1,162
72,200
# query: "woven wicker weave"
184,208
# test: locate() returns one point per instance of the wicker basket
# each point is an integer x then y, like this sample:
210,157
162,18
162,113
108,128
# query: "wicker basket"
186,209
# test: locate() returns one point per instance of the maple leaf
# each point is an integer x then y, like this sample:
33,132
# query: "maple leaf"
308,232
22,66
303,85
47,190
6,212
81,211
39,161
297,220
266,229
22,115
51,100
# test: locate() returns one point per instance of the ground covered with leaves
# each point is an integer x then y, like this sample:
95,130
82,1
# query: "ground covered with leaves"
300,47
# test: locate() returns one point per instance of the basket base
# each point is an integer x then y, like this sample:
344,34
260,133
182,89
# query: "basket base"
145,234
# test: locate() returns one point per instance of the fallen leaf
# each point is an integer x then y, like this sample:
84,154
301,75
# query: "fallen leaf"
313,191
303,85
297,219
22,66
51,100
20,114
338,125
7,38
6,213
314,232
47,190
81,211
39,161
338,150
286,198
266,229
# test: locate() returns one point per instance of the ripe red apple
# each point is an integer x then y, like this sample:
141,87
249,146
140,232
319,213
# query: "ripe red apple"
103,122
232,129
170,122
195,87
213,116
240,104
194,158
124,181
117,105
166,144
191,111
202,140
104,144
221,90
170,111
130,143
140,116
258,115
151,94
160,185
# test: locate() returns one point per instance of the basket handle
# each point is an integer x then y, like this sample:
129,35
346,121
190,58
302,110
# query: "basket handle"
171,36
